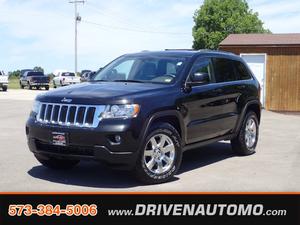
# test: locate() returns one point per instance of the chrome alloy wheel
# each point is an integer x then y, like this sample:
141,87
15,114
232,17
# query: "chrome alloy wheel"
250,133
159,154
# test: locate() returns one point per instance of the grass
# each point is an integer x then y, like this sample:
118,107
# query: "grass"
13,83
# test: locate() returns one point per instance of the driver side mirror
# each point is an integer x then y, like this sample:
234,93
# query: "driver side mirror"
199,78
196,79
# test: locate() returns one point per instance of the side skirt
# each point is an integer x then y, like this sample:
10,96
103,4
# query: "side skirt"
207,142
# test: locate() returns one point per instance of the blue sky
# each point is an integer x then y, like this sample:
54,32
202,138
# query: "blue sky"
41,32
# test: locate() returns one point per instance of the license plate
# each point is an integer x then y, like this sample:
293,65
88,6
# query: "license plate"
59,138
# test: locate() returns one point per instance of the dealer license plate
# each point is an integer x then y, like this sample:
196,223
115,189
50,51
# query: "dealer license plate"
59,138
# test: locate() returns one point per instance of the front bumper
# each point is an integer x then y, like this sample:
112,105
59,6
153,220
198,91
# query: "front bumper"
3,84
85,143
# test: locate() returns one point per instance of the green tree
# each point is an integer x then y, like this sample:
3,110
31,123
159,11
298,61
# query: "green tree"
216,19
14,74
38,69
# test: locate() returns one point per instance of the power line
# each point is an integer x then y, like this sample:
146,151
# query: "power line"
133,29
113,17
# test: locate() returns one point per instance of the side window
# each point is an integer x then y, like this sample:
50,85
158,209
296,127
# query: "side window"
203,65
224,70
242,71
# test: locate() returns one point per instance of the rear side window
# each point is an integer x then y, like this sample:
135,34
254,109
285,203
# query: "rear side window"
224,70
242,71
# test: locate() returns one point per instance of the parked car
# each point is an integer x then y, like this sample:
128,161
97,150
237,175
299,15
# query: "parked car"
88,76
22,72
64,79
3,81
143,110
34,79
84,71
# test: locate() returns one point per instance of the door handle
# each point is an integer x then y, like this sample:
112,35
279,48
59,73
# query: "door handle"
241,87
219,90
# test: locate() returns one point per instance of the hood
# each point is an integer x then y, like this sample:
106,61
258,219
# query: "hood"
102,92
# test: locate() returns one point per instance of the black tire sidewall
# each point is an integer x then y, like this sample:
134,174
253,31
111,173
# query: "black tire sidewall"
143,172
242,140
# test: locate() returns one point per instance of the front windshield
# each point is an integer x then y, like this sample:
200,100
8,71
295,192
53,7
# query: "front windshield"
150,69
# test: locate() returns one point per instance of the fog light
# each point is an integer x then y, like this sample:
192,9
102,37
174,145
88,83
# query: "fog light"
118,138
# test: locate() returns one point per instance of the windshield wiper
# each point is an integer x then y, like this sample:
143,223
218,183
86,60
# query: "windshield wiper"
133,81
98,80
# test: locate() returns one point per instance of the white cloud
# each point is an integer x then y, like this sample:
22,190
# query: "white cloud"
279,16
35,32
43,33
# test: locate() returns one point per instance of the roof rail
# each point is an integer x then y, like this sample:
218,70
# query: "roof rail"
179,49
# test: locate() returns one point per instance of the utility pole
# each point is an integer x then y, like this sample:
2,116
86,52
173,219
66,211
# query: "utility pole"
77,20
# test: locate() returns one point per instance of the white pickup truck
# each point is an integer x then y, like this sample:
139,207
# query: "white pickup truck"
65,78
3,81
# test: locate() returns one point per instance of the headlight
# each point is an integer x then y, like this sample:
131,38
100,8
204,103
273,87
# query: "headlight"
121,111
36,106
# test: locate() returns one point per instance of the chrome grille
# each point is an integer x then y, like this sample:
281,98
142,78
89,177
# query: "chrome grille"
70,115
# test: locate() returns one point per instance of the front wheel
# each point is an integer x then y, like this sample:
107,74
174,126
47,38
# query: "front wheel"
4,88
245,142
161,155
47,88
57,164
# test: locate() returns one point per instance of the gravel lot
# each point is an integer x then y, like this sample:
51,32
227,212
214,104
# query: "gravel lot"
275,166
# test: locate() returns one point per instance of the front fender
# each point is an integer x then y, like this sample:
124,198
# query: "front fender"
159,115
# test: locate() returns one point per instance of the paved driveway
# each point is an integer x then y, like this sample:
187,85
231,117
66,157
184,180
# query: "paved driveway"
275,166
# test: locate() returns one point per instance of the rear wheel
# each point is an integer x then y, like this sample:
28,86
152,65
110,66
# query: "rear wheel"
246,141
57,164
47,88
161,155
4,88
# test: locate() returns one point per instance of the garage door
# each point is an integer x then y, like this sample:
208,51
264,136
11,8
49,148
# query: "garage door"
257,63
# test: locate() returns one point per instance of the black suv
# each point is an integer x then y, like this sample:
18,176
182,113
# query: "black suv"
143,110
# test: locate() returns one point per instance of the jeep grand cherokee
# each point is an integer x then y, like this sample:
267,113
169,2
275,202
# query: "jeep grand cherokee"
143,110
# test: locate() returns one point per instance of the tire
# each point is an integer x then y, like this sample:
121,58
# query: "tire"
241,144
47,88
38,87
4,88
152,173
54,86
21,86
57,164
29,86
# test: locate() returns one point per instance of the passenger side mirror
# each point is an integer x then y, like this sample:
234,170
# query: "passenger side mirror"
199,78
